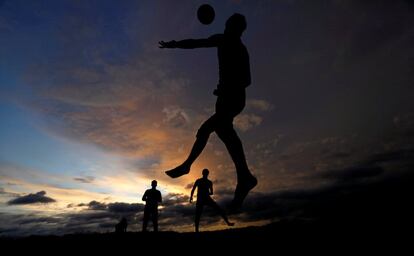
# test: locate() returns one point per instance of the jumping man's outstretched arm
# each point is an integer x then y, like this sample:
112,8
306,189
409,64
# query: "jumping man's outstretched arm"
212,41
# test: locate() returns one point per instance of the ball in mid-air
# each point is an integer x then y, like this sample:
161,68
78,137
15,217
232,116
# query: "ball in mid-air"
205,14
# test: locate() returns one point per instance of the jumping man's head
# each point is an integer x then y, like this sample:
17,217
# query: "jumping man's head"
205,173
154,184
235,25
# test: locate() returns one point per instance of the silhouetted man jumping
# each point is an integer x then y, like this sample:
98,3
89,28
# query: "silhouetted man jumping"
205,189
234,77
151,197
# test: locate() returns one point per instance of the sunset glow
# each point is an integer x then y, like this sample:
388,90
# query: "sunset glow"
91,110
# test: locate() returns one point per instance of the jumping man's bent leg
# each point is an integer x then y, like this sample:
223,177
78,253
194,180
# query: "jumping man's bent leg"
245,180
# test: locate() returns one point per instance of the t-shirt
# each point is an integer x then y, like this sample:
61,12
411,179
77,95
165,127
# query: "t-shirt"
234,63
203,186
152,197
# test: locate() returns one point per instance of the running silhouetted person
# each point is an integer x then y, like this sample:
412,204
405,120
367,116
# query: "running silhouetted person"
151,197
205,189
234,77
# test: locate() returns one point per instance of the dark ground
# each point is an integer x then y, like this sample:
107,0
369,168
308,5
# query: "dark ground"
292,236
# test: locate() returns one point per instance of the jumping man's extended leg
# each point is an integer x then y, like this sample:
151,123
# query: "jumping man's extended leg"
202,137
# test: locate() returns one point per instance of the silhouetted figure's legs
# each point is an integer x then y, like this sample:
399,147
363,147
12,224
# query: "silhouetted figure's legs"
218,209
199,211
150,214
145,221
210,202
155,220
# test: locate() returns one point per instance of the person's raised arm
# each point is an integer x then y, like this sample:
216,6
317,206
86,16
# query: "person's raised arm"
192,191
212,41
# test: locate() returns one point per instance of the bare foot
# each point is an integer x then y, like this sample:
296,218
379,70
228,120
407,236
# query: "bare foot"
242,190
178,171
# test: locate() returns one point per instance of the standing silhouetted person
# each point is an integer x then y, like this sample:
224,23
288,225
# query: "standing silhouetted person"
151,197
205,189
121,227
234,77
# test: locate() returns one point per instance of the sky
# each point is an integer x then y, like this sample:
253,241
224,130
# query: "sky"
92,110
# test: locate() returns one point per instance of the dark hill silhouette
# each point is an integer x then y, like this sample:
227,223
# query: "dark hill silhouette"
281,236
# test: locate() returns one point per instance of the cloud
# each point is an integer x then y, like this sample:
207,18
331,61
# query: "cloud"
175,116
123,208
116,207
175,213
261,105
33,219
173,199
353,174
86,179
392,156
95,205
39,197
404,124
366,183
122,97
62,187
358,195
245,122
340,155
342,201
17,224
7,193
